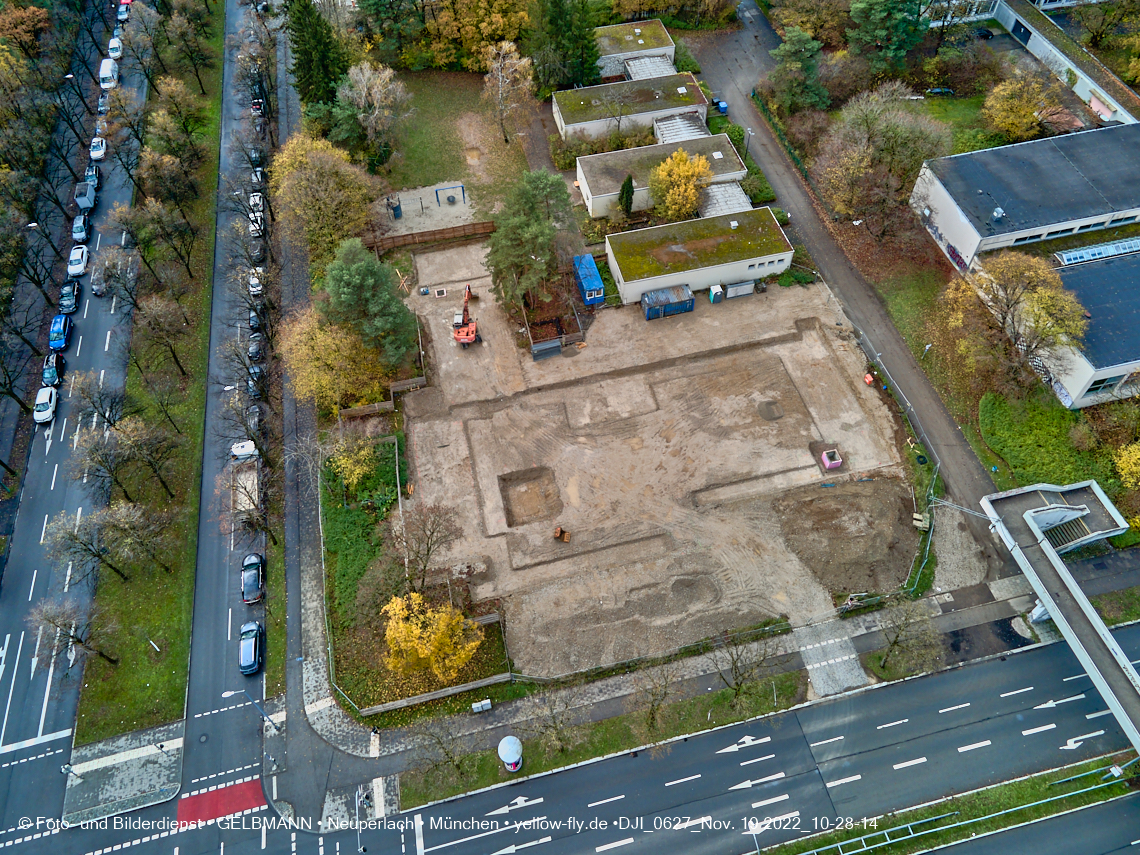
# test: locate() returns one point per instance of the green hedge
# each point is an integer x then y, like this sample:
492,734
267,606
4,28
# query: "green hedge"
1032,436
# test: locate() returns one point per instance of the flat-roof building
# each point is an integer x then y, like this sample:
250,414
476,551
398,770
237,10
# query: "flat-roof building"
1040,190
632,40
600,176
597,111
699,253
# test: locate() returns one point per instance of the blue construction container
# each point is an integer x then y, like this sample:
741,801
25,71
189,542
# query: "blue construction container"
667,301
589,280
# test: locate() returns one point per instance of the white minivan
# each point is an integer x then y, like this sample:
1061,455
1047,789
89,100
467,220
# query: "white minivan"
108,74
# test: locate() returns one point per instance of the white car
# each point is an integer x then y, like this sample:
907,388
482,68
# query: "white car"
255,284
46,400
77,261
256,202
115,49
124,13
98,150
256,224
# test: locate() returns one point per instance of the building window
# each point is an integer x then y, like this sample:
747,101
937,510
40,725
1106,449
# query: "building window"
1059,232
1088,226
751,266
1105,384
1120,220
1026,239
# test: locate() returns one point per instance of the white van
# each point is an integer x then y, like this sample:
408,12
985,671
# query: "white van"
108,74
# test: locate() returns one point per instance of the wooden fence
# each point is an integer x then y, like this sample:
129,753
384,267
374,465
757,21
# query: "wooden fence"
383,244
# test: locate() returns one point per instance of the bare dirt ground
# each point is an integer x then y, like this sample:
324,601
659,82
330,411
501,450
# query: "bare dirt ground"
682,457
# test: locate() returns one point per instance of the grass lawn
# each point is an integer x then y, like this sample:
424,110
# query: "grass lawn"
964,116
275,612
148,687
452,136
1119,606
975,806
597,739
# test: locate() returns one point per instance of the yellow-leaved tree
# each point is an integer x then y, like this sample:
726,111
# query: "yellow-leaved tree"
1021,106
328,363
353,462
1127,460
675,186
420,637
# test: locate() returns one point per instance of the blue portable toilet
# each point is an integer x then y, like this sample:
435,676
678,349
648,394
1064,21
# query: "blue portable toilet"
589,280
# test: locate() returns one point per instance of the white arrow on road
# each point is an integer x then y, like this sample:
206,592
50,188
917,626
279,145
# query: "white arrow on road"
1075,741
513,848
744,742
1048,705
520,802
747,785
47,435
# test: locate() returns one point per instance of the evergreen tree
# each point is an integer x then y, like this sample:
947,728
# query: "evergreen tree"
397,24
319,59
580,47
520,252
625,196
886,31
795,79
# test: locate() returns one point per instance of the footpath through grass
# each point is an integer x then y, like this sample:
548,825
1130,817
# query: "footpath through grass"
973,814
155,609
598,739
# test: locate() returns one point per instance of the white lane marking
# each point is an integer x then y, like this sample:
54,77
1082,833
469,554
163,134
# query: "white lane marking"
36,740
78,517
79,347
825,742
606,801
1018,692
63,428
697,820
844,781
771,801
123,240
230,626
1093,715
1040,729
745,785
48,687
67,581
223,774
974,745
71,388
892,723
54,472
1076,741
98,240
36,652
44,529
613,845
107,346
744,742
1048,705
951,709
910,763
114,297
1074,677
757,759
75,439
515,804
101,373
683,780
32,589
86,303
15,668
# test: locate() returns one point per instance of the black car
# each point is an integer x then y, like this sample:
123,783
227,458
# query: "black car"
254,421
92,175
53,369
252,578
255,382
983,33
257,107
256,350
256,157
254,320
104,103
69,296
257,251
251,647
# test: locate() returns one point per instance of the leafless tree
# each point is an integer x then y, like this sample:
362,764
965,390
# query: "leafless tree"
15,360
23,321
246,251
653,689
256,499
741,663
617,102
444,747
135,532
73,539
236,423
72,625
553,717
382,101
913,642
190,46
144,38
151,446
508,85
425,531
310,452
163,325
101,457
105,401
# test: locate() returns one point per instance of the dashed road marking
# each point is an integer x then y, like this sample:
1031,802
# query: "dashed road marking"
222,709
914,762
844,781
974,745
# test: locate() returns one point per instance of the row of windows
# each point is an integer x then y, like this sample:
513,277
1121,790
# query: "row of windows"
762,264
1118,221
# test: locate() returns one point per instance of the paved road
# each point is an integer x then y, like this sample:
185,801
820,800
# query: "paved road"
733,62
38,691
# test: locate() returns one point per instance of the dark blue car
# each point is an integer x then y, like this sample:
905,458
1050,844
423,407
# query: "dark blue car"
59,337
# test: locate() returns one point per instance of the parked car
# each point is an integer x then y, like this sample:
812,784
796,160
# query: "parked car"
940,90
256,351
252,578
59,336
256,224
118,31
257,251
251,647
77,261
254,421
257,179
124,13
104,103
80,227
101,126
46,400
255,382
52,374
255,284
257,107
983,33
98,150
256,202
69,296
115,49
92,175
256,157
254,320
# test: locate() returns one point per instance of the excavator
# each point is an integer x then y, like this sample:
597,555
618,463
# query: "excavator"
466,328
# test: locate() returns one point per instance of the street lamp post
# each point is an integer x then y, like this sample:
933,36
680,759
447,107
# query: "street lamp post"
78,92
160,746
748,134
256,706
